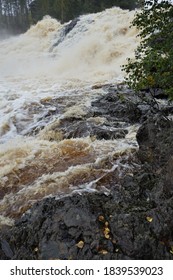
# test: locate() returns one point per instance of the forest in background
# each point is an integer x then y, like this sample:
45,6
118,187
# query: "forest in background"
16,16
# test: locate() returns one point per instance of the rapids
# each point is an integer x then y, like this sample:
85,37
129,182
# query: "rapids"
66,63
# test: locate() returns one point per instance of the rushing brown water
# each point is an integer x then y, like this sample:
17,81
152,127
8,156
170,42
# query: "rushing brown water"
45,67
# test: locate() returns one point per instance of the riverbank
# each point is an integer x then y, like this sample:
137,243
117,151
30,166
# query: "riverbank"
128,213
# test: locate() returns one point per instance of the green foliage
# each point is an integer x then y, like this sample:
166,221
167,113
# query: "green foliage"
17,15
65,10
152,67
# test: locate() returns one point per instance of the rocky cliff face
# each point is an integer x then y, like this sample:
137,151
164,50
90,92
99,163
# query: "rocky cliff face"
131,221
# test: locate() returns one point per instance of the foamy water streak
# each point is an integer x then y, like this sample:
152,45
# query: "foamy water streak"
47,74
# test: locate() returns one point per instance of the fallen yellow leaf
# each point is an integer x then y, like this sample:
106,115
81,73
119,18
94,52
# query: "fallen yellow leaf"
80,244
107,236
149,219
101,218
106,230
103,252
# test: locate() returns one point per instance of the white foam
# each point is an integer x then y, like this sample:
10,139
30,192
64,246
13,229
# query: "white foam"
35,67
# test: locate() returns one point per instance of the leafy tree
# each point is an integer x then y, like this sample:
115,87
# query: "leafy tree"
152,67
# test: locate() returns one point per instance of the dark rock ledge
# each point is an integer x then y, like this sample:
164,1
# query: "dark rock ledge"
133,222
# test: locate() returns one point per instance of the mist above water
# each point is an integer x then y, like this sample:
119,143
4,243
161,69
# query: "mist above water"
93,50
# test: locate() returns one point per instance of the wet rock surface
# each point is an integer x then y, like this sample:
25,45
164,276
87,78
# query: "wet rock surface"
117,105
77,128
132,221
155,140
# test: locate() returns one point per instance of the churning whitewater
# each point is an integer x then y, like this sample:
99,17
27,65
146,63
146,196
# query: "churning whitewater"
48,76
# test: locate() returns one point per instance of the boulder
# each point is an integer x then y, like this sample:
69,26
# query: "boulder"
93,226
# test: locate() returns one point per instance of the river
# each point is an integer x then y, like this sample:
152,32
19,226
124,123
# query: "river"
49,74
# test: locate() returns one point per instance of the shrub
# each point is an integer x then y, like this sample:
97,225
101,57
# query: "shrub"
152,67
